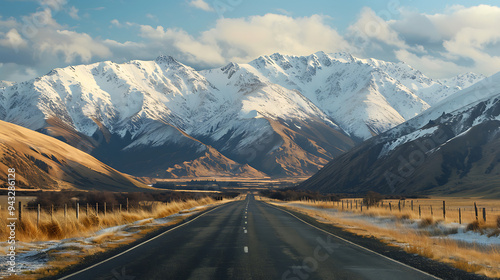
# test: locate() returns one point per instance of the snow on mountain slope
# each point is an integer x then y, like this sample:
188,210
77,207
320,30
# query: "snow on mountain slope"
6,84
463,81
254,118
450,149
457,104
259,113
361,98
165,105
145,105
364,96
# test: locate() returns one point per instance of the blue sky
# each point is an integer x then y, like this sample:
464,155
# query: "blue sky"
441,38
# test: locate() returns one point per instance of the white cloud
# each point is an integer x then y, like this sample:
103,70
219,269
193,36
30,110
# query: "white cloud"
370,26
116,23
247,38
430,65
15,72
73,12
12,39
56,5
457,40
152,17
38,43
441,45
180,42
244,39
74,46
201,4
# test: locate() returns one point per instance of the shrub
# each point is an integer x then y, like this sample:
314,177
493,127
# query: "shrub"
474,226
52,229
372,198
426,222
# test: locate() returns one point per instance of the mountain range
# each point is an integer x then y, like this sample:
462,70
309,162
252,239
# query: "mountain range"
450,149
278,115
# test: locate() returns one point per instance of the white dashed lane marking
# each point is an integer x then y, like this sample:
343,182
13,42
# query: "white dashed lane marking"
245,249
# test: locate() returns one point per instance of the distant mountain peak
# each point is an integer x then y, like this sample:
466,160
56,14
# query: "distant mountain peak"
168,60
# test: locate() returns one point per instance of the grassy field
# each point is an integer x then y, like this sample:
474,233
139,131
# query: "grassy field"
425,208
484,260
58,226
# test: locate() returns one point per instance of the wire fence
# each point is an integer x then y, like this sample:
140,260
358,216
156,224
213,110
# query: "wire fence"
449,211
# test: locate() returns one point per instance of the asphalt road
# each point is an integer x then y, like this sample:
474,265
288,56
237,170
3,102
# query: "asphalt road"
248,239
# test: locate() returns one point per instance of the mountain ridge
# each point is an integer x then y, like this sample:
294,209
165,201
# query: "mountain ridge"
43,162
451,149
159,107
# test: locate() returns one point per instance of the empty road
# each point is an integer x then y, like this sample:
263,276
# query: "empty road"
248,239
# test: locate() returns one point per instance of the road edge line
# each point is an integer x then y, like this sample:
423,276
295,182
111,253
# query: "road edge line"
352,243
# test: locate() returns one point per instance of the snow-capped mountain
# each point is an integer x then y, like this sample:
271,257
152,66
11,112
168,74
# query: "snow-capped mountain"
364,96
278,115
5,84
164,115
452,148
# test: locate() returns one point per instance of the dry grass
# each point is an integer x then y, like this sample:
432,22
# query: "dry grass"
61,227
430,208
484,260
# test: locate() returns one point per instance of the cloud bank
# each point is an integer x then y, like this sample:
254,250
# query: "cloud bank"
441,45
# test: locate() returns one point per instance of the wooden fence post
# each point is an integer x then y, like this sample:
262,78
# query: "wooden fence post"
77,210
38,216
399,205
484,214
432,212
20,211
419,212
459,216
412,205
390,207
475,209
444,209
104,209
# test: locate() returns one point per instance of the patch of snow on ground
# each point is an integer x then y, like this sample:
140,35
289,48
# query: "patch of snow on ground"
453,231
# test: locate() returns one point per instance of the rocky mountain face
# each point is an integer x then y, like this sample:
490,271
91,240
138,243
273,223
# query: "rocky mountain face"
451,149
276,116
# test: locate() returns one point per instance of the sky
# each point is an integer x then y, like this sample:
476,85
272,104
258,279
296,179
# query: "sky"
440,38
